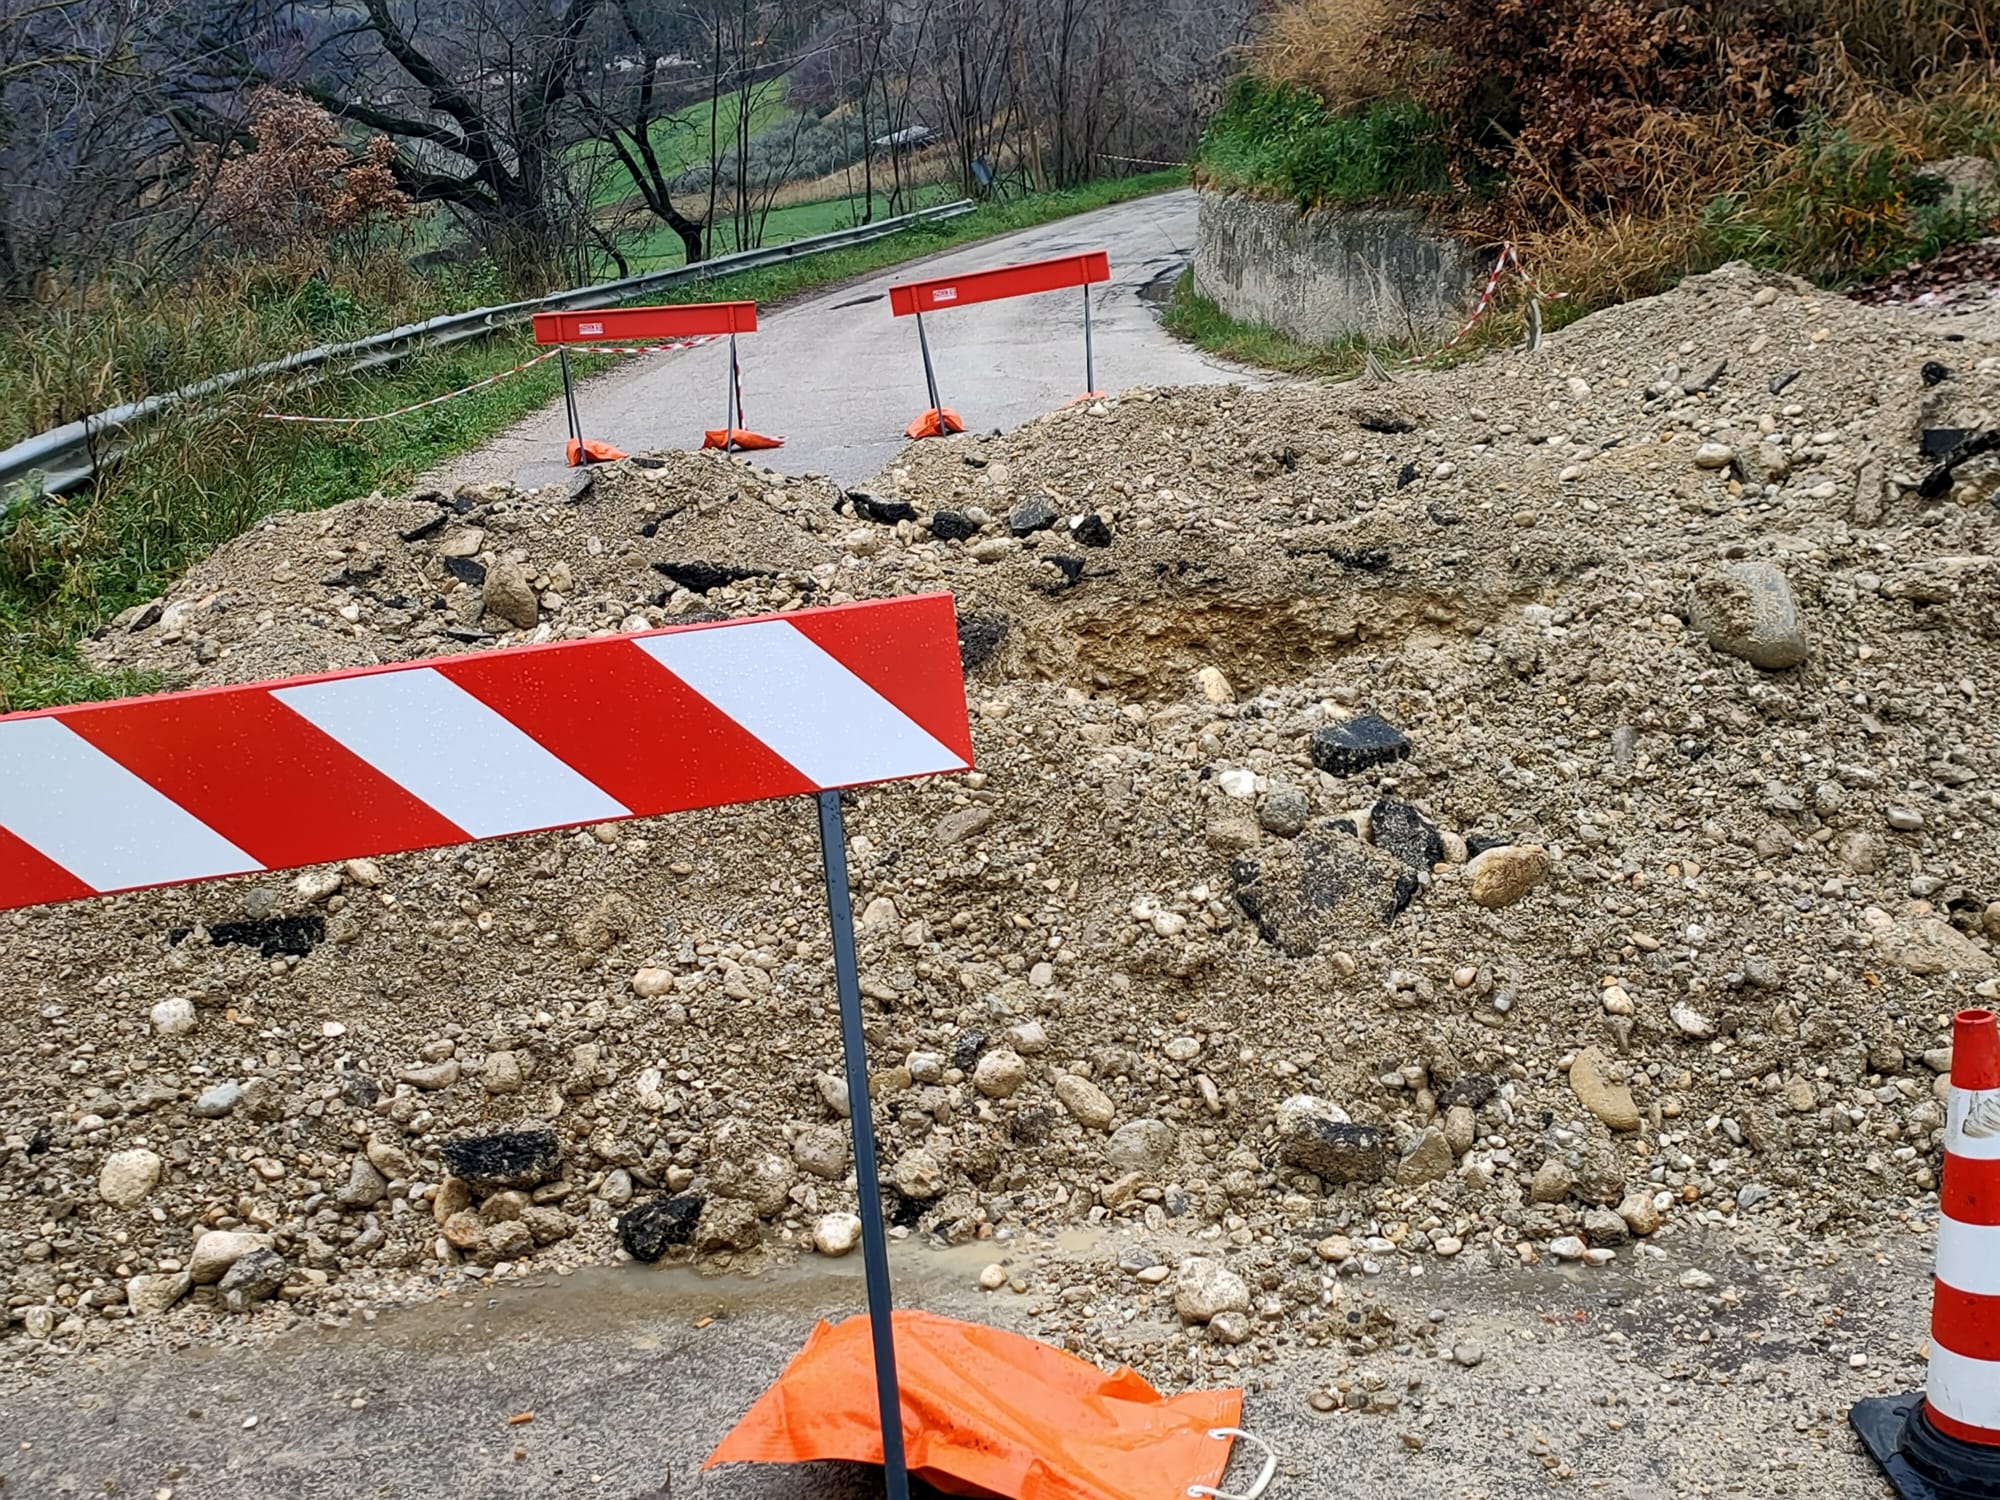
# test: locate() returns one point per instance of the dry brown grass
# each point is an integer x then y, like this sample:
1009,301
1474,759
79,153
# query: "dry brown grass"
1336,48
1900,44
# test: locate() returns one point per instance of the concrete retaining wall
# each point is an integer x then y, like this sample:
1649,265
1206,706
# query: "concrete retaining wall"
1323,276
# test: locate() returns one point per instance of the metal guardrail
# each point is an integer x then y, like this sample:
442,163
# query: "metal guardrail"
68,455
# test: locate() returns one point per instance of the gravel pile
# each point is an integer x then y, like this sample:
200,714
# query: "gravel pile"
1520,812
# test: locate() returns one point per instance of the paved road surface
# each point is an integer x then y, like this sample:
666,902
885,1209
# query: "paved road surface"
838,378
1639,1388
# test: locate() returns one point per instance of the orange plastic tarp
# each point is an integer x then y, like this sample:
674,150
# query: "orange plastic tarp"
590,451
936,422
738,439
988,1413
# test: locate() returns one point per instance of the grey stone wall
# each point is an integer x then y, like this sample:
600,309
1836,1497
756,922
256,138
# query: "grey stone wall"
1323,276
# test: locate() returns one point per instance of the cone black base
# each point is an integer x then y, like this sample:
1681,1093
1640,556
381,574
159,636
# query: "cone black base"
1920,1462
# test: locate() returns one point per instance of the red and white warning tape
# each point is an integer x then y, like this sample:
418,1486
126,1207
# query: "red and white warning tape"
480,385
1509,256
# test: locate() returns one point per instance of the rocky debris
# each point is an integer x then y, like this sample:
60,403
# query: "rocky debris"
1925,944
218,1249
255,1277
151,1295
1360,744
726,1224
1190,894
1317,1137
1406,833
507,1159
1747,610
652,1228
918,1175
1501,876
1319,888
509,595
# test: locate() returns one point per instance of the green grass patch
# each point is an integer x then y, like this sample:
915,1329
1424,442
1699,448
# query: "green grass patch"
1281,141
1199,321
68,564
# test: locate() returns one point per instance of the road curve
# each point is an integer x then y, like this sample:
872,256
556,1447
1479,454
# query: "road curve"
839,378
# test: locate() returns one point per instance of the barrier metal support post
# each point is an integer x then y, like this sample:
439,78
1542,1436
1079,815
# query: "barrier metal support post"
569,399
930,375
874,1236
1089,362
729,429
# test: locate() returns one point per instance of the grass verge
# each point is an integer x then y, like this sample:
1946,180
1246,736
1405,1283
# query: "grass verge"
68,564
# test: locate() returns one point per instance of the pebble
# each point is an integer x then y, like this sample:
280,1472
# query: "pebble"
1468,1356
217,1102
1567,1247
1000,1073
1696,1281
992,1278
1747,610
1904,819
1088,1104
1229,1327
174,1016
1501,876
1589,1079
1714,456
149,1296
918,1175
128,1178
837,1233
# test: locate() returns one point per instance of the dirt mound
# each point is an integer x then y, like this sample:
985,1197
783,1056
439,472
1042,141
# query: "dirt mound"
1636,934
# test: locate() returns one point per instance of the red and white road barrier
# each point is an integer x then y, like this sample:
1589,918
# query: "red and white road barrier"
622,327
1962,1397
940,293
229,781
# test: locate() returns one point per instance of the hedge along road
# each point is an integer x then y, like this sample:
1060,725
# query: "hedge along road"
838,378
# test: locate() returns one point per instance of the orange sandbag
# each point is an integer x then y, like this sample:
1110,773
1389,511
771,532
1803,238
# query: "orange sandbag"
936,422
988,1413
736,437
1086,396
590,451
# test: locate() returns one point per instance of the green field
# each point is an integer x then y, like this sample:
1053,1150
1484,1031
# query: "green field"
680,139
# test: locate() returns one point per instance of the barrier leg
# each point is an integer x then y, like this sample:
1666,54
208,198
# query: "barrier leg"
874,1237
1089,363
729,427
569,397
930,375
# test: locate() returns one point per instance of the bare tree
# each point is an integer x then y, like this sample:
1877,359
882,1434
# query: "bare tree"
627,105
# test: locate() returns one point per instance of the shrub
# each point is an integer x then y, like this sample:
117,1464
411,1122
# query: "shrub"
1283,141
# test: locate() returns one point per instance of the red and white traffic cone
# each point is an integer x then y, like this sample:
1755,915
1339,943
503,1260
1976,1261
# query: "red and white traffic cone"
1946,1442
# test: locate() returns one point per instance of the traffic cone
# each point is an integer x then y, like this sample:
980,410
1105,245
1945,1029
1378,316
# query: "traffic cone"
1945,1443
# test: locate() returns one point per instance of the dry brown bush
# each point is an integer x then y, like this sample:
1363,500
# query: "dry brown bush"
1343,50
